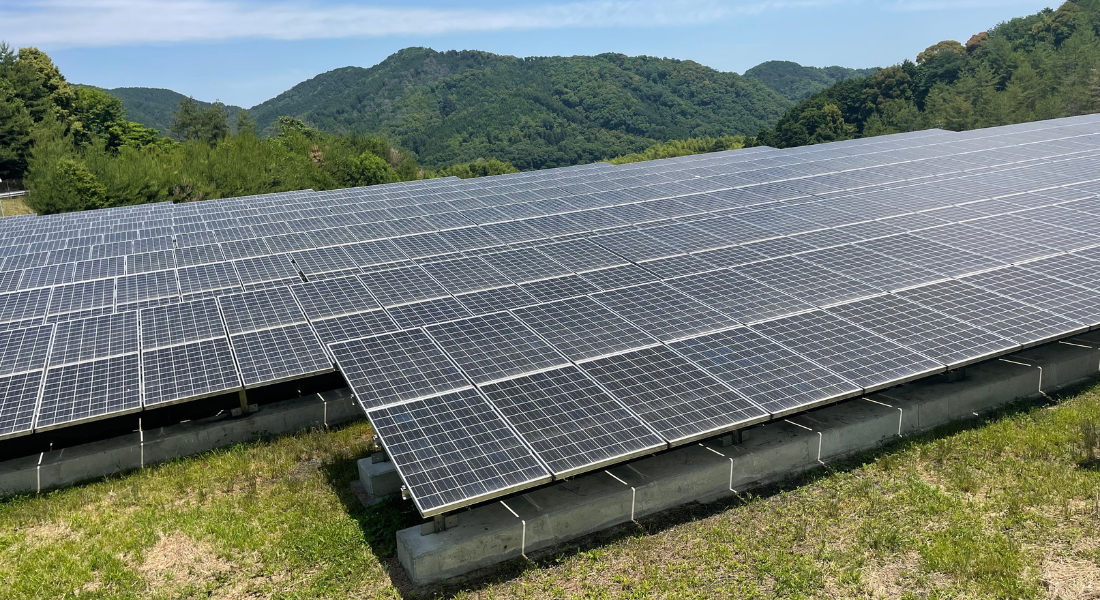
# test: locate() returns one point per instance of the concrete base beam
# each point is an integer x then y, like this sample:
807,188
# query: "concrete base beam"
554,515
68,466
379,479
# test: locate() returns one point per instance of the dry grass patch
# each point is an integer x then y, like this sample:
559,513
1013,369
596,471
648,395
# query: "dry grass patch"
179,561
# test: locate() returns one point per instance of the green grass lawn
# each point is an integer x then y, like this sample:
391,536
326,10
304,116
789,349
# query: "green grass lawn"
14,206
1005,508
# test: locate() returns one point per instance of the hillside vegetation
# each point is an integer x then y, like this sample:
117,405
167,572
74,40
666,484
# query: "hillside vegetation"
1043,66
796,82
448,107
154,107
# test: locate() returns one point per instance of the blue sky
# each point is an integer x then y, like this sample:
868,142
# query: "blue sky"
244,52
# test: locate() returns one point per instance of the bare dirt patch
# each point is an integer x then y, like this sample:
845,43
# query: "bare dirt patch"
1068,577
893,578
177,560
48,533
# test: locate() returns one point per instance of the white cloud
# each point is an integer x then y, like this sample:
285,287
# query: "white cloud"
86,23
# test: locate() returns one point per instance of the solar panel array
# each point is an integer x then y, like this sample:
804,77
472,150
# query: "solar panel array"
505,331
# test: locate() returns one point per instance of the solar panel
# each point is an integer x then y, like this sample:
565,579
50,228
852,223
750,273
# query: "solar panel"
207,278
333,297
935,335
251,311
402,285
396,367
1003,316
868,360
676,398
352,326
1059,297
18,397
494,346
558,288
133,290
738,296
582,255
806,281
581,328
525,264
82,296
97,337
770,375
930,255
273,267
279,354
495,300
663,312
428,312
188,371
871,268
614,278
467,274
88,390
454,450
24,350
570,422
160,260
985,243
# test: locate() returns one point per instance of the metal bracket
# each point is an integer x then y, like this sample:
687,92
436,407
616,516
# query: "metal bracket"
731,438
439,523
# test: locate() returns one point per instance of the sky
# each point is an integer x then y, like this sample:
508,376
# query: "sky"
243,52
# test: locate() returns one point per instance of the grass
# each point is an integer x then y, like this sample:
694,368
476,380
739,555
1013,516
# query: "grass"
1004,508
14,206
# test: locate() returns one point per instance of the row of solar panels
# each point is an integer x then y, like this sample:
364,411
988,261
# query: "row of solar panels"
411,294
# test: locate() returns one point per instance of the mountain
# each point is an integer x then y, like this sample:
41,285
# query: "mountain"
154,107
1042,66
796,82
458,106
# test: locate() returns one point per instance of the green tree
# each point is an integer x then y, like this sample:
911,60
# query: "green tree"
15,133
246,125
94,113
370,169
56,180
208,125
833,128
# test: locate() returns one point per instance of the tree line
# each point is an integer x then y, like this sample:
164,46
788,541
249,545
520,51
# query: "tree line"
1042,66
75,150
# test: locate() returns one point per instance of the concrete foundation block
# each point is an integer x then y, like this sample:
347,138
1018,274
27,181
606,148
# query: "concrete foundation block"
554,515
379,479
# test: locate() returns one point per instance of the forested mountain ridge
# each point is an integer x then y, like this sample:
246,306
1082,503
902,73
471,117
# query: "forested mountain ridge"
458,106
796,82
1042,66
154,107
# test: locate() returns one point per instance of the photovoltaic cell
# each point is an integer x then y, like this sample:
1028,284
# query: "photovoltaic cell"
614,278
396,367
557,288
871,268
352,326
333,297
279,354
180,323
1003,316
770,375
89,390
663,312
428,312
738,296
23,350
676,398
495,300
582,328
402,285
453,450
495,346
868,360
261,309
188,371
18,397
572,424
97,337
467,274
1059,297
935,335
806,281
